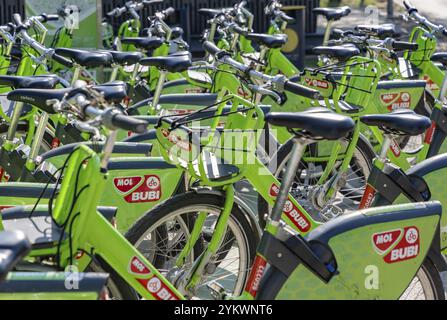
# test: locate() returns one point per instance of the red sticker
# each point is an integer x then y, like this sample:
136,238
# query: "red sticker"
395,101
158,289
137,267
431,85
292,212
148,191
394,147
316,83
397,245
139,189
429,134
126,184
368,197
255,276
388,98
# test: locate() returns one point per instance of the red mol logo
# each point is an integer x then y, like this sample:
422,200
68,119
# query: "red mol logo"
385,240
388,98
137,267
124,185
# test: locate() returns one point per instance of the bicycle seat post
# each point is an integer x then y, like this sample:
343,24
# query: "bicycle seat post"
299,147
385,147
159,88
18,107
38,137
327,32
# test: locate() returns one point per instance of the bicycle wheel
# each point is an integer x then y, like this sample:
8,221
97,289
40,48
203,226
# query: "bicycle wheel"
164,231
309,193
414,143
427,285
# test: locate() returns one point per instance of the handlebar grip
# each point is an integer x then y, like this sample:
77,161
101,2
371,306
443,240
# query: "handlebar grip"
49,17
129,123
211,48
402,45
62,60
302,90
169,12
410,8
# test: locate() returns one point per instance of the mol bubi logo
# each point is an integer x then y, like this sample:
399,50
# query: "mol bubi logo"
292,212
397,245
394,101
139,189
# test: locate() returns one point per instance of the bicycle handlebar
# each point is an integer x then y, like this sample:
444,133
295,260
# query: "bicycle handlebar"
279,81
414,13
48,53
132,6
410,8
49,17
112,118
168,12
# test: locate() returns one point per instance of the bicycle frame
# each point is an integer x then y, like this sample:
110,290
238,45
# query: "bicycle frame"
294,216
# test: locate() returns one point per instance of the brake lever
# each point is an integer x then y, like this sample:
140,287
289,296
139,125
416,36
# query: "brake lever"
89,128
264,91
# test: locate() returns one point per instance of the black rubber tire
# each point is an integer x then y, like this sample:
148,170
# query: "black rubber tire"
263,208
435,278
188,199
